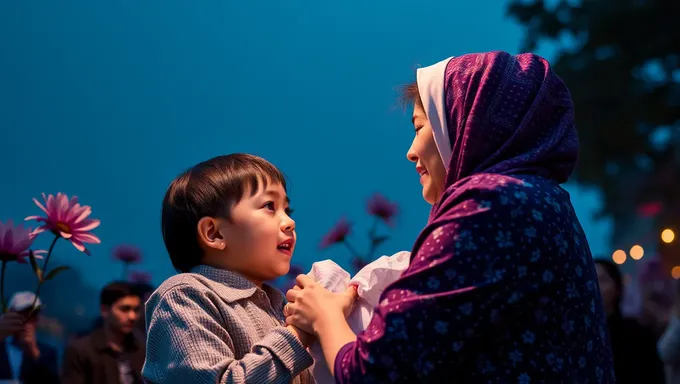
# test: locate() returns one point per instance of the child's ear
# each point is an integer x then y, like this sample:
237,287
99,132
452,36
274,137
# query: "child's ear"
209,234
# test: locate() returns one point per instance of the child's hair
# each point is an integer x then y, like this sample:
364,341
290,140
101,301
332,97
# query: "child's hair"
210,188
115,291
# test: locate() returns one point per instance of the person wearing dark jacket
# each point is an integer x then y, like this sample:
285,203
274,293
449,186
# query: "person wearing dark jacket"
636,359
22,357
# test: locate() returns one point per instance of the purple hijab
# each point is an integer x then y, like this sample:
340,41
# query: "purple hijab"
506,115
501,286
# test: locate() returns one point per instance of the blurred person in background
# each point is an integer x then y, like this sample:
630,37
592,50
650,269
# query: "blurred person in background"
112,353
23,359
669,344
634,347
657,306
657,291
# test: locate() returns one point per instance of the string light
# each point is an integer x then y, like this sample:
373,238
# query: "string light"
619,256
667,236
636,252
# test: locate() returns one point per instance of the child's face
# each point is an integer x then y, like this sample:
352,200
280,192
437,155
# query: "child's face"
260,238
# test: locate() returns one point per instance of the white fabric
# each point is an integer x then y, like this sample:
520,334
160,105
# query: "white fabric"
371,281
15,356
431,88
22,301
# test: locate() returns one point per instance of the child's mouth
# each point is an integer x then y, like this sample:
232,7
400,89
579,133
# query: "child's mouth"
286,247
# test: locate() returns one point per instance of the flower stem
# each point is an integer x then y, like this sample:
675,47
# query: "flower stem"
2,286
40,280
374,227
351,249
371,237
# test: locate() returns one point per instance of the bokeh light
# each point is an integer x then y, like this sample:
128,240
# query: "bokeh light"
636,252
619,256
675,272
667,236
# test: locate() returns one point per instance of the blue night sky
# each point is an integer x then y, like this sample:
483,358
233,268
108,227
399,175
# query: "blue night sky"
111,100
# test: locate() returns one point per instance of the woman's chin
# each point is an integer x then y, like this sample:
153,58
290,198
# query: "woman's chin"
429,195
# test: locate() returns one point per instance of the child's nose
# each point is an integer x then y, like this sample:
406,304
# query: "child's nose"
288,225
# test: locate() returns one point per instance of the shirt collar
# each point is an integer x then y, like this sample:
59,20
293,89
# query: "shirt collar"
239,287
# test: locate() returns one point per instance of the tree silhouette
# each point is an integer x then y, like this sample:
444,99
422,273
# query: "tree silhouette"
621,60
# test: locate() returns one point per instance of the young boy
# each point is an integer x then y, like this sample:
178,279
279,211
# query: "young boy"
227,228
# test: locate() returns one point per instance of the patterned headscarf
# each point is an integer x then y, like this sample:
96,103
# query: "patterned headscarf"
501,285
498,113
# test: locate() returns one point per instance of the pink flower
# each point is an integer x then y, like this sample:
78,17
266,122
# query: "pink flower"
382,208
128,254
15,241
138,277
337,234
67,219
650,209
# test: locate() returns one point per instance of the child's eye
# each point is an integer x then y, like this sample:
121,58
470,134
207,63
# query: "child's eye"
289,212
269,205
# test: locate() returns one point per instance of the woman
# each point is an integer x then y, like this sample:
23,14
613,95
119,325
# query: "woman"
501,286
636,359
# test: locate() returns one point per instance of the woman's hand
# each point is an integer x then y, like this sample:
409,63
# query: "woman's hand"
311,305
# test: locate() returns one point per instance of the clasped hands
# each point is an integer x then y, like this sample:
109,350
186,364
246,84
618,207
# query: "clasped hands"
312,308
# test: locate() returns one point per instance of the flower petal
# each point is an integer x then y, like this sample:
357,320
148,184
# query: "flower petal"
62,207
40,205
38,230
7,243
87,225
72,213
36,254
65,235
23,242
83,213
87,238
79,246
51,206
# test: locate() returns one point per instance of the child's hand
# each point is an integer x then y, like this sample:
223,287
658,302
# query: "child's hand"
305,338
313,305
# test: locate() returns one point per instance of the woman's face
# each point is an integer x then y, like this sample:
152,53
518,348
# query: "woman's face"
607,289
424,153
